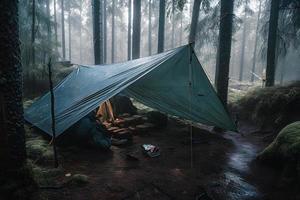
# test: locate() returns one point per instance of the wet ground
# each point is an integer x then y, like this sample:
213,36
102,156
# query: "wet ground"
216,167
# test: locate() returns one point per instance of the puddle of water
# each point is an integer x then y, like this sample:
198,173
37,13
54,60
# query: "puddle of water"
238,188
241,157
238,164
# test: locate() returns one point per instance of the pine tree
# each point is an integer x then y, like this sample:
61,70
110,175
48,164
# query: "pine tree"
129,55
96,31
63,30
161,26
113,32
136,33
195,16
223,59
13,173
272,38
256,42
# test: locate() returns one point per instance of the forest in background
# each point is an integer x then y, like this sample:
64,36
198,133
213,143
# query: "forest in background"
63,31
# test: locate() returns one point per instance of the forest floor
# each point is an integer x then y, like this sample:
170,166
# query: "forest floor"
223,167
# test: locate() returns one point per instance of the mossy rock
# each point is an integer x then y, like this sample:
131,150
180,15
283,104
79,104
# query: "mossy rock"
45,176
79,180
39,150
36,148
269,107
285,147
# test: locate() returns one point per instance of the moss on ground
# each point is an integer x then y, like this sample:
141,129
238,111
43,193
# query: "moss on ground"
40,161
285,146
271,106
285,149
45,176
79,179
39,150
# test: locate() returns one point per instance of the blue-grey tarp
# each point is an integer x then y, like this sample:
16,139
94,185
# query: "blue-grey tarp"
166,81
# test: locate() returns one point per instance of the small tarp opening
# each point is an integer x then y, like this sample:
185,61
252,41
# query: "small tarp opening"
105,112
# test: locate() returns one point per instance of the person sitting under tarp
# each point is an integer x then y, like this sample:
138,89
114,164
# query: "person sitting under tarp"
88,132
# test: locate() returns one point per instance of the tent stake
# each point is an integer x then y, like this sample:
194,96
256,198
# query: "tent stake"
52,114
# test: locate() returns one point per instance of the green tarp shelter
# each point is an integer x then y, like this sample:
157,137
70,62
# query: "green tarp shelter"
173,82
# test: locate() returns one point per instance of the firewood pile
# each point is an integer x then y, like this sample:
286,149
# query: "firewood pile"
126,125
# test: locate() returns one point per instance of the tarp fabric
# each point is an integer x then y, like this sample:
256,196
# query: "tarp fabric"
163,81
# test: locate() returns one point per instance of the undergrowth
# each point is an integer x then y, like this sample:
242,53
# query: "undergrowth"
269,107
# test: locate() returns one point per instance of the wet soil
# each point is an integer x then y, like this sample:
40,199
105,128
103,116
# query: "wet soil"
218,166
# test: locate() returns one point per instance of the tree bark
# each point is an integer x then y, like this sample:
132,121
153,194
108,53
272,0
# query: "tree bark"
272,37
104,32
150,28
80,31
243,48
223,59
96,31
48,26
255,43
195,16
12,134
101,31
113,32
136,33
63,30
129,31
181,28
173,24
33,34
55,26
70,35
161,26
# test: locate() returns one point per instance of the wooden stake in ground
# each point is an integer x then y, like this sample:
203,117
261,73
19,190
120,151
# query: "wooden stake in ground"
52,114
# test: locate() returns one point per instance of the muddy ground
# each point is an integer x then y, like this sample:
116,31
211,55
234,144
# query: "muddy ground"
223,167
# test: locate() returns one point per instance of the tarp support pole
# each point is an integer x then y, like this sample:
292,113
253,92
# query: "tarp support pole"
52,115
190,100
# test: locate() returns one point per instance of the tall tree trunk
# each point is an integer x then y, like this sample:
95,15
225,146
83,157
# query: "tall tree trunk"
173,24
223,59
136,33
272,37
33,34
129,32
55,26
63,30
80,31
12,134
243,48
232,61
150,28
101,31
161,26
48,26
96,31
70,35
255,43
104,32
113,32
195,16
181,28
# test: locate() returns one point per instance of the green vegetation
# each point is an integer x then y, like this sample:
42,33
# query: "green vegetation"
285,146
39,150
79,179
270,107
285,149
40,162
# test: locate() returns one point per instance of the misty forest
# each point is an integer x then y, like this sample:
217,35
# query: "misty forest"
150,99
